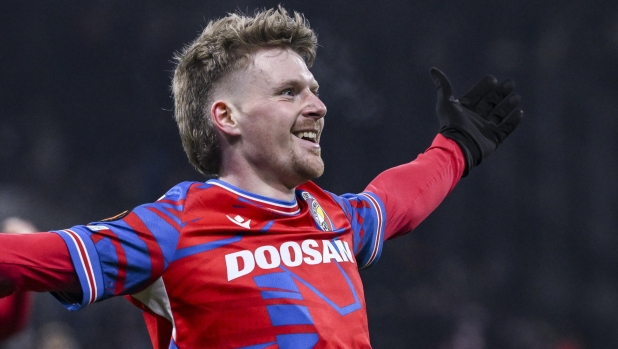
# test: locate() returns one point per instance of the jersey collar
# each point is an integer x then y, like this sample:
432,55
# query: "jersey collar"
279,206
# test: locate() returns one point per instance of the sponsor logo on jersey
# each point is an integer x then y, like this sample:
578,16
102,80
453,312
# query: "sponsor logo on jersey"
238,220
290,253
97,227
319,216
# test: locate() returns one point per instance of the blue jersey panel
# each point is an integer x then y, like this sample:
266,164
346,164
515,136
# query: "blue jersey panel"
123,256
367,216
87,267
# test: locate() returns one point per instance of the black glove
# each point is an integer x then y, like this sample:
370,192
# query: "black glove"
481,119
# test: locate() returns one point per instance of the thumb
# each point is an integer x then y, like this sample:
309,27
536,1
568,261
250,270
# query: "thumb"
445,91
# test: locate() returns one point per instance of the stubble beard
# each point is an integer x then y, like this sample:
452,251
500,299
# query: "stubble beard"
309,168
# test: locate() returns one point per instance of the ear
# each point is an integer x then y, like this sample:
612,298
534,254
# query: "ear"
223,116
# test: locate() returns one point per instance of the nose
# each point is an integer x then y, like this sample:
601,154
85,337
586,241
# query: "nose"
314,108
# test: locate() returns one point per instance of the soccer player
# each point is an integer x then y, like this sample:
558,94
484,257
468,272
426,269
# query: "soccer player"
260,257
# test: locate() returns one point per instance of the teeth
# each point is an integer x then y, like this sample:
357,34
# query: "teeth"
307,135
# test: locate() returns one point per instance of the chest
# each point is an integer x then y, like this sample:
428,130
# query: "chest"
240,268
233,252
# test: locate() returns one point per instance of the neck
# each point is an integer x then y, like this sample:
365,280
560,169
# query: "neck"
261,185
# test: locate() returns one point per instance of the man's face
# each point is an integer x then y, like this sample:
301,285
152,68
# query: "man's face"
280,118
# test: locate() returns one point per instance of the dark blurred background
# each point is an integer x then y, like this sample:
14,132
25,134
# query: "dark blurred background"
520,255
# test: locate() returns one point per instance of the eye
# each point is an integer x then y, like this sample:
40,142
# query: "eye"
288,92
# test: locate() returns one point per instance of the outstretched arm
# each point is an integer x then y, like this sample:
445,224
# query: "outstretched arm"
16,277
471,129
410,192
35,262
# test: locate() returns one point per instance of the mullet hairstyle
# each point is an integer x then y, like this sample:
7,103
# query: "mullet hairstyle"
225,46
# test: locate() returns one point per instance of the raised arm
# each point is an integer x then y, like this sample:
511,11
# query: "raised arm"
481,119
471,128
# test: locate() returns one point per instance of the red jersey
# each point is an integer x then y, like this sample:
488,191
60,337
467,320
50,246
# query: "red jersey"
214,266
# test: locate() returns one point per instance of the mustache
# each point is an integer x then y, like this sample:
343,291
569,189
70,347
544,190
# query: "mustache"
309,125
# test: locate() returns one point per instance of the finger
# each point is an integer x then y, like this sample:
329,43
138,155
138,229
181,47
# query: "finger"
471,98
445,91
503,109
509,124
494,97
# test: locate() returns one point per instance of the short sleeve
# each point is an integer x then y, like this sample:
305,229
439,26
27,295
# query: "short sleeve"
124,254
365,211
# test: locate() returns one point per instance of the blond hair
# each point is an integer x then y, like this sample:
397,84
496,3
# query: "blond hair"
224,47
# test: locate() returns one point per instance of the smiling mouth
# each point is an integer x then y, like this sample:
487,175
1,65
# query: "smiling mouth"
307,136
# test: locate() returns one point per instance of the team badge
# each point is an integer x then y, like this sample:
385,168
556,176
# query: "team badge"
319,216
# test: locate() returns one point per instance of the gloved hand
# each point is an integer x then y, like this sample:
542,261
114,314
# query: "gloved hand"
481,119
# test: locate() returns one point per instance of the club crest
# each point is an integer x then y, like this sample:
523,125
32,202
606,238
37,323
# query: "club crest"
319,216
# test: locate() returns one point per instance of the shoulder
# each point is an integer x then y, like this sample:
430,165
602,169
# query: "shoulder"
310,186
313,190
184,190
